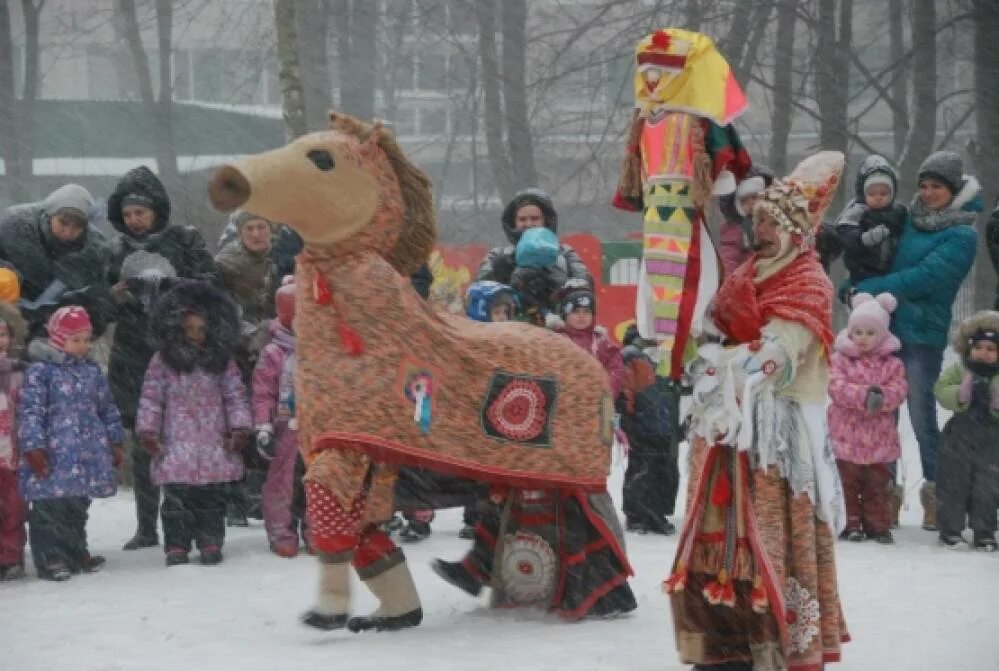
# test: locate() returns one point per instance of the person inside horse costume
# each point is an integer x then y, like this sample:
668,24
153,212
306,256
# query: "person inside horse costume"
383,380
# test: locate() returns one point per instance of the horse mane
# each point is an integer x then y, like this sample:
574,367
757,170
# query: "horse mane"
419,232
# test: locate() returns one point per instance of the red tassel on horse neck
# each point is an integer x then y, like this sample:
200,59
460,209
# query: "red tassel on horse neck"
351,342
321,290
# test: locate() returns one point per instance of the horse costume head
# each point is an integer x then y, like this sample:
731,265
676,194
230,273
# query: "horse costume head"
348,188
381,377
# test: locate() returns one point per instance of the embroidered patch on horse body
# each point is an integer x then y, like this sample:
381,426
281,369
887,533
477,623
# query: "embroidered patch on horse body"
519,408
418,384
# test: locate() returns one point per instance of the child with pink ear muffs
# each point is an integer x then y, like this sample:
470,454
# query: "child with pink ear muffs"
867,385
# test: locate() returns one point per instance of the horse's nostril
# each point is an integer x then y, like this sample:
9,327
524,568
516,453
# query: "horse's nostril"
228,189
322,158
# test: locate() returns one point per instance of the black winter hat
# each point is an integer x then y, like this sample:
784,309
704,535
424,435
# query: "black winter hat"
532,196
576,294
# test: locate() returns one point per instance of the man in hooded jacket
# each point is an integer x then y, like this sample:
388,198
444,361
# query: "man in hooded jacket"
537,286
149,252
60,257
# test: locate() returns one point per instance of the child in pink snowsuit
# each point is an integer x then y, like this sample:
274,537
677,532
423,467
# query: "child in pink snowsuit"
274,421
867,385
13,512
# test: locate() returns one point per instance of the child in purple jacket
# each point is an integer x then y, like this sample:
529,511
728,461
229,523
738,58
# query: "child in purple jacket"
12,510
274,422
867,385
194,417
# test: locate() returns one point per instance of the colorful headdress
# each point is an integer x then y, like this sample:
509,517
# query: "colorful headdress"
694,77
798,201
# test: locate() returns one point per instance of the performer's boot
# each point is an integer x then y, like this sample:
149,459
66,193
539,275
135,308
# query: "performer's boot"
400,604
333,601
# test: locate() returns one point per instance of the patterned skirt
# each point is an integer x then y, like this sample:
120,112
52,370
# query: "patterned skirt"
754,579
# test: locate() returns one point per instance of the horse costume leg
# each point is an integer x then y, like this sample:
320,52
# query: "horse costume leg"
382,566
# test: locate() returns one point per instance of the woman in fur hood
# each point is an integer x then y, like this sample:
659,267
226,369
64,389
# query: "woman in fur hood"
194,417
968,461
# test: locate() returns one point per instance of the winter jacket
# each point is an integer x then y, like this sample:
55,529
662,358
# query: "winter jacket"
596,341
286,246
953,390
735,232
192,415
27,243
274,380
926,275
856,435
500,263
250,279
863,261
168,251
11,381
644,403
67,410
992,241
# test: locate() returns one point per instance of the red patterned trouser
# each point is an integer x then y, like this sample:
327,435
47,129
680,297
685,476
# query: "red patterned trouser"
866,488
338,531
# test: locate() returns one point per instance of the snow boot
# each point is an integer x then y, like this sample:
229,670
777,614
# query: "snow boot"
467,532
211,555
177,556
140,541
662,527
456,574
985,542
57,572
88,563
11,572
951,540
896,498
400,604
854,535
415,532
286,550
928,498
882,537
333,601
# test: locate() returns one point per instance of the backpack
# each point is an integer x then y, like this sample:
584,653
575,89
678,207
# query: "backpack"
652,417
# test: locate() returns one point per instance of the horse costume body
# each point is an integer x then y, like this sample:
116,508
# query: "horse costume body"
384,380
680,141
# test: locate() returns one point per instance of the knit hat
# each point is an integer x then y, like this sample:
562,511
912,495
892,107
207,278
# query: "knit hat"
240,218
880,178
285,301
72,197
10,286
982,334
945,167
65,322
873,312
798,201
577,294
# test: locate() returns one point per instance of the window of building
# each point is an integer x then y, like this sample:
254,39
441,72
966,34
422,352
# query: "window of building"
102,73
208,71
433,121
431,72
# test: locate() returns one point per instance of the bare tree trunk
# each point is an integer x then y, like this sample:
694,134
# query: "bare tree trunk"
515,94
158,112
364,56
761,19
391,62
987,120
731,46
16,189
499,161
344,59
694,15
289,71
899,87
832,70
924,85
312,17
781,118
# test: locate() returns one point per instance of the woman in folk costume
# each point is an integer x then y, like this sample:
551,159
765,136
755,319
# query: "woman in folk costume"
680,143
753,584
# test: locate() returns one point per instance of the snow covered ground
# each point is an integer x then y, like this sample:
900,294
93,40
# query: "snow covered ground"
913,606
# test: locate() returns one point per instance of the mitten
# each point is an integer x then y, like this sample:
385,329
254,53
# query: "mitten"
265,441
875,400
117,454
150,443
965,389
239,440
38,461
875,236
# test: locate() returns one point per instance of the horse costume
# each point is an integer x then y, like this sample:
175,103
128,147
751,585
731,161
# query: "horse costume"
681,140
383,380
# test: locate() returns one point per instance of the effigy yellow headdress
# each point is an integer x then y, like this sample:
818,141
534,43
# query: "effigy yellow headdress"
692,77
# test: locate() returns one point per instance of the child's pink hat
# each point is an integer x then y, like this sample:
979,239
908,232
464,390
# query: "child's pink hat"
873,312
65,322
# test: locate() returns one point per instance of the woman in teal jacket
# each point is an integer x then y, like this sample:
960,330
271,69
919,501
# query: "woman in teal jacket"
935,254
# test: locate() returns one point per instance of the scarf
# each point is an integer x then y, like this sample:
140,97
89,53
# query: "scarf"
800,292
927,220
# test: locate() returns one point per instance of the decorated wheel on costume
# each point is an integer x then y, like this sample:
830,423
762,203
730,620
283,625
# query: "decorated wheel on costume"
528,568
519,410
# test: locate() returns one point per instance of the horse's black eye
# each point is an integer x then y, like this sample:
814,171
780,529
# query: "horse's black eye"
322,158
